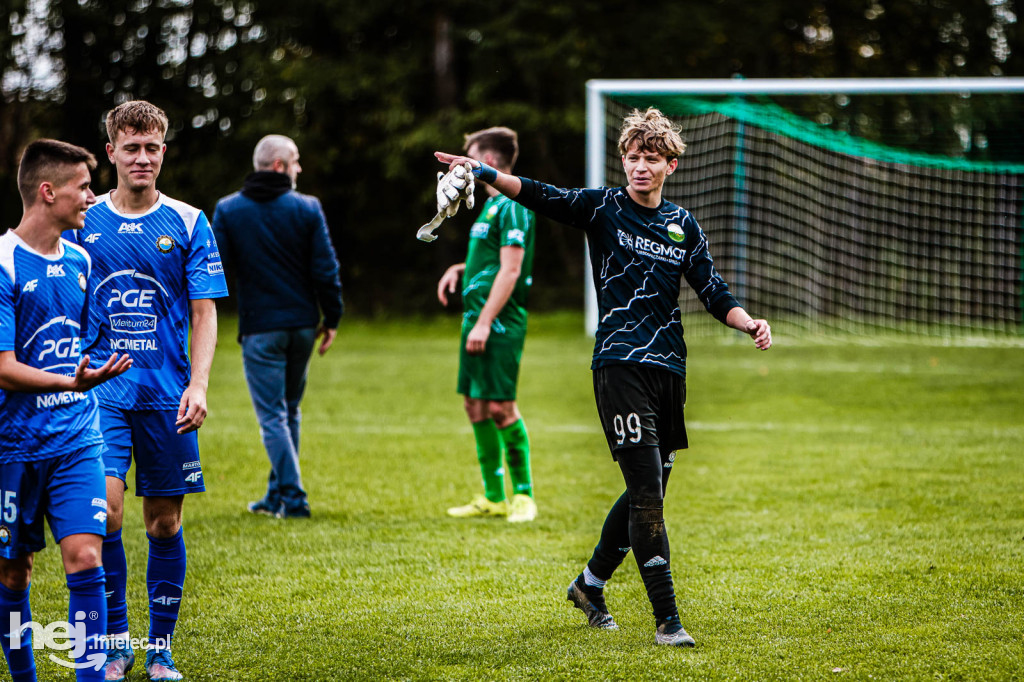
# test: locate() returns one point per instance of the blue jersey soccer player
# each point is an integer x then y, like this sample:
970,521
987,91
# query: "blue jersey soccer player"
156,269
641,248
50,442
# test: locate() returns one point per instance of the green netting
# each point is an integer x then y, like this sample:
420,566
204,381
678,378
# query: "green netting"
825,232
778,120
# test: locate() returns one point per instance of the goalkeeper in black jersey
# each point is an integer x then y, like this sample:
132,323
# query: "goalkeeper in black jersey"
641,249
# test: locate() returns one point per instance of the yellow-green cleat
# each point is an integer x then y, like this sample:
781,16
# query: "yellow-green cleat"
522,509
480,507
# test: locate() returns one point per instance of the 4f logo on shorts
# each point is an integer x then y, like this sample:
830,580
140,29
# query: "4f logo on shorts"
194,477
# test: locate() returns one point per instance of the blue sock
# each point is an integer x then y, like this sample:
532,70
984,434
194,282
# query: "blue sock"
165,577
20,661
116,566
87,605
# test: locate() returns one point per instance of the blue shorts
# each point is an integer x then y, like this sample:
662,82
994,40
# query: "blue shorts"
69,490
166,463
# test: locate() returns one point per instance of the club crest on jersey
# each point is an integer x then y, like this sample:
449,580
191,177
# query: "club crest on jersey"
81,281
130,228
165,244
5,536
675,233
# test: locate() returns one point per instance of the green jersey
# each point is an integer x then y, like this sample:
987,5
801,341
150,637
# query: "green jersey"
502,222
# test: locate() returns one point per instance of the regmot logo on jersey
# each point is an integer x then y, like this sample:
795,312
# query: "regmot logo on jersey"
651,248
55,270
130,228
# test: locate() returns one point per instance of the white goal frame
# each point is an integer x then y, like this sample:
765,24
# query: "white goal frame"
598,90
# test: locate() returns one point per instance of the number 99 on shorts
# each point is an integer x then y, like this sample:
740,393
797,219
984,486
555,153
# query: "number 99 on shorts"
627,429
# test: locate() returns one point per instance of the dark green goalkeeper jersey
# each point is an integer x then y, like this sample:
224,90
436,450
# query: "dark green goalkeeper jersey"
502,222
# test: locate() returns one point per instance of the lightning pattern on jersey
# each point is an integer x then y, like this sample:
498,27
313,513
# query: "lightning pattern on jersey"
640,257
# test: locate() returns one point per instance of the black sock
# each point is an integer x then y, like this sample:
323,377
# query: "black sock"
642,470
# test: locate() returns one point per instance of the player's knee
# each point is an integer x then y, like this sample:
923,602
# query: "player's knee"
502,412
647,506
476,410
163,526
15,576
83,557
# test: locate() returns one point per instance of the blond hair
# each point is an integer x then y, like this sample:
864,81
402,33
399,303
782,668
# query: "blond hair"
136,116
653,132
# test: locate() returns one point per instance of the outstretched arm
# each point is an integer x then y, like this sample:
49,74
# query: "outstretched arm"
17,376
192,409
509,185
737,318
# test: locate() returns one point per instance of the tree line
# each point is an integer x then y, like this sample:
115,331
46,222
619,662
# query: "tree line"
370,89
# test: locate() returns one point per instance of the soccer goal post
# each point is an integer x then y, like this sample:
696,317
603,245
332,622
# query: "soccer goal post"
863,206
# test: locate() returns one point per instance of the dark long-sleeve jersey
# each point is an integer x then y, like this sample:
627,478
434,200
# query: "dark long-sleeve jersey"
639,256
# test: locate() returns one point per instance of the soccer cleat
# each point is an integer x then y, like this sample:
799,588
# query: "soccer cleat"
300,511
671,633
597,614
523,508
480,506
264,507
160,666
119,663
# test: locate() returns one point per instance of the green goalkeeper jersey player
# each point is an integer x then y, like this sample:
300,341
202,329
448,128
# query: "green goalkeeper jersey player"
496,280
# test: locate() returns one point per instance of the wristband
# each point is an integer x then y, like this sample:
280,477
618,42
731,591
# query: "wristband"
485,173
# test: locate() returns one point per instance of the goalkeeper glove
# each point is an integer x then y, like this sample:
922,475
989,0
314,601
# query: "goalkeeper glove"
454,186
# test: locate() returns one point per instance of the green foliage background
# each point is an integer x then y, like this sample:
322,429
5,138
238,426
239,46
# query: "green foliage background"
370,89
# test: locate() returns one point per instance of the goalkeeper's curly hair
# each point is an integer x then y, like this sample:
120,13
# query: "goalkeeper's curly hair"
654,132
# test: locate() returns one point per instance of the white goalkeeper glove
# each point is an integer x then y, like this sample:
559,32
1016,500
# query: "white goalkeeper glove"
453,187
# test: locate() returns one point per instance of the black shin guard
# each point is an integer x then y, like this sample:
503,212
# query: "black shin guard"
643,471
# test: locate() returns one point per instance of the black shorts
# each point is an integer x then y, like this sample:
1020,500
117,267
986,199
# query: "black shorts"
641,406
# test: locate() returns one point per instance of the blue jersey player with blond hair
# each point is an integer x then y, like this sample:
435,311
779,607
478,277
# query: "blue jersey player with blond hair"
50,443
156,271
642,248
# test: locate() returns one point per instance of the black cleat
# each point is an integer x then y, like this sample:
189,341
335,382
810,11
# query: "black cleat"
598,617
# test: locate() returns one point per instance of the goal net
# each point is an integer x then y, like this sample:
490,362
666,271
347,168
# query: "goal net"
858,207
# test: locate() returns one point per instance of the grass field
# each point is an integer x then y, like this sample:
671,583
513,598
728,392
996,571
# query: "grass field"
845,512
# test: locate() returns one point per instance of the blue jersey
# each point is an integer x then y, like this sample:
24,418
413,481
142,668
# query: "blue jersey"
146,269
42,310
640,257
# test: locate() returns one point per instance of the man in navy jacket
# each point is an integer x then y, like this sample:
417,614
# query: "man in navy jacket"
289,293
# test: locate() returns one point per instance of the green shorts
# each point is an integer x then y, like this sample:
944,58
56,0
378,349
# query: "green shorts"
493,375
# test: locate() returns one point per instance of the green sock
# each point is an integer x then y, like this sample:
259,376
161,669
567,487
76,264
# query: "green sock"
517,455
488,451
